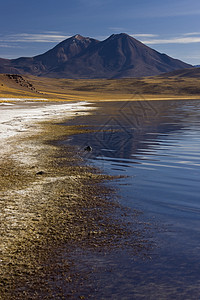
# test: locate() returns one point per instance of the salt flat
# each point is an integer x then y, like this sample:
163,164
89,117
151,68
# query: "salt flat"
21,117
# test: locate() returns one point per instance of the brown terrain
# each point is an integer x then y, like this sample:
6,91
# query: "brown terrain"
168,86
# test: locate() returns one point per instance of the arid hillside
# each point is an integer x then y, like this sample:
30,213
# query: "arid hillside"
159,87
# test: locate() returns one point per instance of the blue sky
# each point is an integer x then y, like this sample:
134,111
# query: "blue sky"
31,27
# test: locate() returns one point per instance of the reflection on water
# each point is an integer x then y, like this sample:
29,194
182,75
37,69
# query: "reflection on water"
157,145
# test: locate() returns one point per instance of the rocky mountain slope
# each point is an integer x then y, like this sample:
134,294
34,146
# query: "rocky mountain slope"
119,56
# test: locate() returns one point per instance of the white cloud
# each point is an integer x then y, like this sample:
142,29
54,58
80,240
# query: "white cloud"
177,40
191,33
143,35
9,46
37,38
55,37
52,32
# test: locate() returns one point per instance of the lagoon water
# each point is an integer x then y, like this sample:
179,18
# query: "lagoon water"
156,145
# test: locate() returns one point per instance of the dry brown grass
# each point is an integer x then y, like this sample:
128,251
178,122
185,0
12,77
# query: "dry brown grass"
148,88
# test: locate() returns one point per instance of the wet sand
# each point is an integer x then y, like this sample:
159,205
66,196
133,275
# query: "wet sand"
50,200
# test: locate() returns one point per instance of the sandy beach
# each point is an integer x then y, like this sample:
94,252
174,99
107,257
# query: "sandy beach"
28,200
49,200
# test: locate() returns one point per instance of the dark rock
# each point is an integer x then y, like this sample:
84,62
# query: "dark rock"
40,173
88,148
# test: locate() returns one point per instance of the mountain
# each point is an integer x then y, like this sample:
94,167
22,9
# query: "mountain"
42,64
6,66
118,56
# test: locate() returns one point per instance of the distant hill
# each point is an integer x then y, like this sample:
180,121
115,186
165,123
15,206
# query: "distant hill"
119,56
191,72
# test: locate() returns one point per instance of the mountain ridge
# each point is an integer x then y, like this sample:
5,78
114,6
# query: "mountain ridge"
118,56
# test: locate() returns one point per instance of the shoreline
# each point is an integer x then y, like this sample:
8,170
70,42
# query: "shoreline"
51,199
150,99
93,99
18,115
21,117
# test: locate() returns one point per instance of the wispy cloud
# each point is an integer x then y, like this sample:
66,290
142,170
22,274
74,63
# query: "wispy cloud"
34,37
176,40
52,32
10,46
191,33
10,41
143,35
